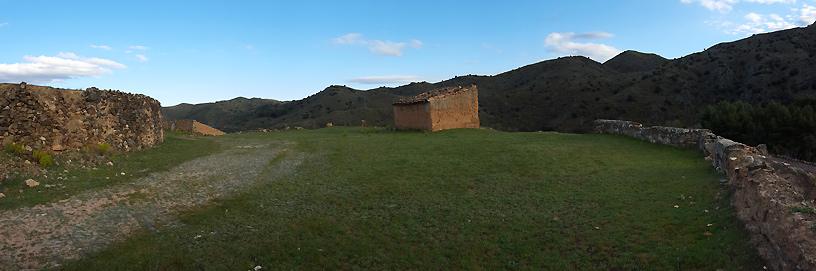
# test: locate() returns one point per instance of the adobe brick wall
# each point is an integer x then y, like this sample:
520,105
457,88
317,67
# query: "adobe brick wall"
459,110
415,116
45,118
440,109
765,191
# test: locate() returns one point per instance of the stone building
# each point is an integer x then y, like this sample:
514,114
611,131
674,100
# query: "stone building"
192,126
439,109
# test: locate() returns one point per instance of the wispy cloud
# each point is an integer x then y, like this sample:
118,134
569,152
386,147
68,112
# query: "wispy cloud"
65,65
760,23
807,14
138,48
3,24
755,23
102,47
568,43
142,58
385,79
725,6
380,47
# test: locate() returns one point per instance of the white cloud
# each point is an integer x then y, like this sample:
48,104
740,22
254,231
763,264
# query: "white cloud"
142,58
807,14
769,2
380,47
3,24
350,38
101,46
59,67
386,79
725,6
138,48
577,44
715,5
755,23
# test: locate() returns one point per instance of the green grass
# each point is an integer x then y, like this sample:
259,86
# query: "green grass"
464,199
66,181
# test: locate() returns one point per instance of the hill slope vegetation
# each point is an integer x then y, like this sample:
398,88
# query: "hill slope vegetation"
566,94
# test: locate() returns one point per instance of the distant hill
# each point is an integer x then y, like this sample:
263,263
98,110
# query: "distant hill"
633,61
566,94
218,114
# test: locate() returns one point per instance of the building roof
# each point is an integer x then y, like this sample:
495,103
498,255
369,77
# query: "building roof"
425,96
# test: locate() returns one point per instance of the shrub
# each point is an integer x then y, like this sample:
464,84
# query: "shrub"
103,148
43,158
16,149
787,129
803,210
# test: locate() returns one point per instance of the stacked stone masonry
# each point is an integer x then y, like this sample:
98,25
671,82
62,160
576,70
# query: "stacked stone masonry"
192,126
45,118
765,192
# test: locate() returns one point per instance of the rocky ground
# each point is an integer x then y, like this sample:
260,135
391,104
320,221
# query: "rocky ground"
45,235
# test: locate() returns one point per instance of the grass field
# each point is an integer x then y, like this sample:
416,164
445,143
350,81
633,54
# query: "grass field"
61,182
463,199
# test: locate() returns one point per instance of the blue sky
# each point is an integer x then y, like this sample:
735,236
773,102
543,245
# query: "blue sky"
201,51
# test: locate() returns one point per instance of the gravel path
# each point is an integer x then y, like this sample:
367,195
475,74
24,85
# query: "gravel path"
45,235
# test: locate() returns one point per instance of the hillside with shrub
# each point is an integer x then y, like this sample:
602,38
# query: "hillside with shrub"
567,94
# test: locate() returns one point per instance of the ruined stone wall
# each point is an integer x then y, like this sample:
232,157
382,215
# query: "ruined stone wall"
192,126
459,110
774,200
45,118
412,116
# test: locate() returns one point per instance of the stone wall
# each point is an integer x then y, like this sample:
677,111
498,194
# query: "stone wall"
774,199
192,126
45,118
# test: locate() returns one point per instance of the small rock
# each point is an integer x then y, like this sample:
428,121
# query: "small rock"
257,267
197,236
110,163
123,174
57,147
597,228
677,206
31,183
42,138
2,195
709,225
27,162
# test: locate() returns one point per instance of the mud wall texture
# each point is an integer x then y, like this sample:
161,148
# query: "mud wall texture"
45,118
192,126
415,116
459,110
774,200
439,109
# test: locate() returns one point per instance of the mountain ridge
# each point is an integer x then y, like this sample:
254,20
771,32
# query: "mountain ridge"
568,93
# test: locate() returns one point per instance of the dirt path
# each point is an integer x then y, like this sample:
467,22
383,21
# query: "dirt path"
45,235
